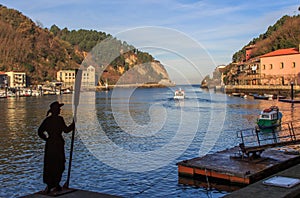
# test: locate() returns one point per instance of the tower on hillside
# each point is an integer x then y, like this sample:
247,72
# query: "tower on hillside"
249,51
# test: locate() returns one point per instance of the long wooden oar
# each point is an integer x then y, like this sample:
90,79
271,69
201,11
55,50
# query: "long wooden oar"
75,102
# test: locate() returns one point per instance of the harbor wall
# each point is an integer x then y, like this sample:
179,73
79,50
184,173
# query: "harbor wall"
262,89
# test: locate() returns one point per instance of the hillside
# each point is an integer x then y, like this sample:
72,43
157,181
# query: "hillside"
25,46
285,33
127,57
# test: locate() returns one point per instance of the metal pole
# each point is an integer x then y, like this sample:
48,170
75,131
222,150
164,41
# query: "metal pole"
75,102
292,91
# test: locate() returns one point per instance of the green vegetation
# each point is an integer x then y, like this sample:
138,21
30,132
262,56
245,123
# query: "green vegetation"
30,48
285,33
27,46
84,39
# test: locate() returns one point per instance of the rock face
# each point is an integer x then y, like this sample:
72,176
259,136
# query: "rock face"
146,73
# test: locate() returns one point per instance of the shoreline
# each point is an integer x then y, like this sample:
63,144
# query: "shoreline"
133,86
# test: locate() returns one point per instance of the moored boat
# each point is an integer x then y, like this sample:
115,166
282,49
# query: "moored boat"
3,95
260,97
269,119
179,94
236,94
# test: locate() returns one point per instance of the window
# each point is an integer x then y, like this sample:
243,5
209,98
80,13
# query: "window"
281,65
294,65
271,66
264,67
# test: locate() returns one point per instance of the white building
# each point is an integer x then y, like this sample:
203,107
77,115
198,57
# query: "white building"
16,79
67,77
88,77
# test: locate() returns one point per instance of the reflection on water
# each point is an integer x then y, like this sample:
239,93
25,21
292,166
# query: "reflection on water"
128,123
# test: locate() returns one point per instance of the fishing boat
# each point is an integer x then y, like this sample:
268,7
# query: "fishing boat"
269,119
179,94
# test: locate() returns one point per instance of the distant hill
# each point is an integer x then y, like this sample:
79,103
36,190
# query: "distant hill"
149,69
285,33
26,46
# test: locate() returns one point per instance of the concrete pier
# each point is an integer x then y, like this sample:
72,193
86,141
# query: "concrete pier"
284,90
71,193
261,190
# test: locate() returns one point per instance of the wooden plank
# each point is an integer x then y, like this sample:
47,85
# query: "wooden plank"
185,170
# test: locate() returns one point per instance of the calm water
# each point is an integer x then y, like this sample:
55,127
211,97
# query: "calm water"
128,141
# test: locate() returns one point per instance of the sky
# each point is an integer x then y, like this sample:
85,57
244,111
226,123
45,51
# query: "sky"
189,37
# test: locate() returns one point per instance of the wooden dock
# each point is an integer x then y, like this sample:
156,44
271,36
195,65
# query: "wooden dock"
226,166
257,156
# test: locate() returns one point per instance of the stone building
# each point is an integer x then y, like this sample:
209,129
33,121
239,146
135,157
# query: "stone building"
280,67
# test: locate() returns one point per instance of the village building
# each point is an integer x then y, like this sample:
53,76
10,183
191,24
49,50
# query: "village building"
248,72
249,50
280,67
3,80
219,74
88,77
16,79
68,77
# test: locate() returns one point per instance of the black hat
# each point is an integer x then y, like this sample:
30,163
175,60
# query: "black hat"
55,105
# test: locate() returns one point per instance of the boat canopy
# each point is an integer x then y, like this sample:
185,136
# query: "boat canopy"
271,113
269,116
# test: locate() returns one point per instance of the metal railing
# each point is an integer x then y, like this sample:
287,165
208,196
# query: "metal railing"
254,140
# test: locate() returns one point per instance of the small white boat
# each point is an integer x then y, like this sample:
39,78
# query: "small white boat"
179,94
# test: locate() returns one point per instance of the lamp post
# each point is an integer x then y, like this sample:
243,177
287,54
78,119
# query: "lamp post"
292,91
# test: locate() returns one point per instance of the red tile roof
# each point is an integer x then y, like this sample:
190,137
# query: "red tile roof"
279,52
2,72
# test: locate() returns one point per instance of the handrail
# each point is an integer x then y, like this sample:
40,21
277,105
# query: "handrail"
252,140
